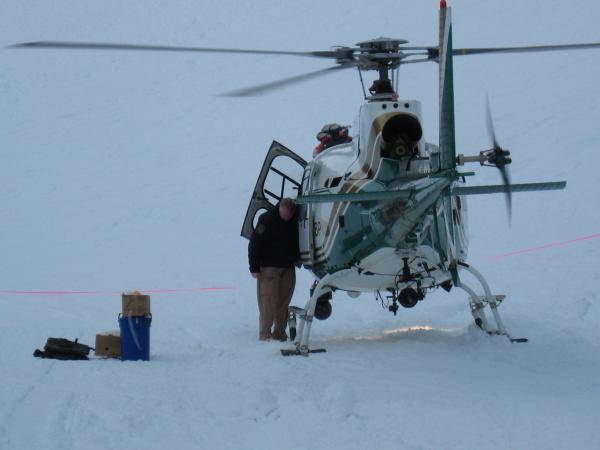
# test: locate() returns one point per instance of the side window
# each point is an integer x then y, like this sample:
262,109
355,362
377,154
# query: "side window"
305,180
304,189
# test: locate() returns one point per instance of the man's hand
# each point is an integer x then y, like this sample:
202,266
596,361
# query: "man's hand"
255,274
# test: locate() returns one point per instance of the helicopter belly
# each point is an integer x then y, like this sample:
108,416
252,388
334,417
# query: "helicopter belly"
389,268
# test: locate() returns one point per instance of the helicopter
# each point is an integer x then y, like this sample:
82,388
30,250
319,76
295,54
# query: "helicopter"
384,212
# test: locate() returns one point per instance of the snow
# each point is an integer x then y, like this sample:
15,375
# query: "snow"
125,171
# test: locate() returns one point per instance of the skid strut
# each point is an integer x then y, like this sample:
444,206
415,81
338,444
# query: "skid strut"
303,318
479,302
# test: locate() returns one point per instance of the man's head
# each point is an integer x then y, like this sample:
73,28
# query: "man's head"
287,208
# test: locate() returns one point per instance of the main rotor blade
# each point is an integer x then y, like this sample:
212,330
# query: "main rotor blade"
263,88
402,48
167,48
533,48
412,61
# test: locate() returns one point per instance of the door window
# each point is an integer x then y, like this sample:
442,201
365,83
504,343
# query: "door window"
283,179
280,176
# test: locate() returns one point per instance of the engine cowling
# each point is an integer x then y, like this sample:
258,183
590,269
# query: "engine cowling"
400,136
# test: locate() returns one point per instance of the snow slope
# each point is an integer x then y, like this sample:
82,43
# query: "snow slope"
124,171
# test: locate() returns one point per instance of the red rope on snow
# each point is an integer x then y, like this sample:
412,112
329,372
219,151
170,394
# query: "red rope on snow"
212,289
545,247
151,291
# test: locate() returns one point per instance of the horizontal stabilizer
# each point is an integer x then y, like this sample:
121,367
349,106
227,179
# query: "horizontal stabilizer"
358,197
500,188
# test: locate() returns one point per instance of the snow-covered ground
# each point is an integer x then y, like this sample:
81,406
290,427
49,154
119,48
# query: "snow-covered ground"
124,171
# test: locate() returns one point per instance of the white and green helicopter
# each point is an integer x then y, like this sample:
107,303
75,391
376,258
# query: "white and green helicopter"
386,212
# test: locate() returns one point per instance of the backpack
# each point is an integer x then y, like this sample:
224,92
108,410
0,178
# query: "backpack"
59,348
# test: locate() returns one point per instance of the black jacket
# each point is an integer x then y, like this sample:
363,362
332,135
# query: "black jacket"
274,242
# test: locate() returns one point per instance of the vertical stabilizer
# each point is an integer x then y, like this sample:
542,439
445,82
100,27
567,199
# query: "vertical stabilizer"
446,81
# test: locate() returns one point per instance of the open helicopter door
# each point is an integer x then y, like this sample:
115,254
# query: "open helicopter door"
280,176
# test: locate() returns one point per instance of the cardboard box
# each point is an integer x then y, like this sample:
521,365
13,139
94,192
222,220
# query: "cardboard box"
135,304
109,344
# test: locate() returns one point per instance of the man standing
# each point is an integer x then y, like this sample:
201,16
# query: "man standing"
272,252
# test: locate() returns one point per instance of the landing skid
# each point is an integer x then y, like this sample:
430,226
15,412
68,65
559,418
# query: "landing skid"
300,319
296,352
304,317
479,303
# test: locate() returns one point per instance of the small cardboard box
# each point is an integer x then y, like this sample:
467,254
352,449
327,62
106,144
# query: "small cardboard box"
109,344
135,304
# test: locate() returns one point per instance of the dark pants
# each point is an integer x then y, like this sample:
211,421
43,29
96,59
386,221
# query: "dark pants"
275,288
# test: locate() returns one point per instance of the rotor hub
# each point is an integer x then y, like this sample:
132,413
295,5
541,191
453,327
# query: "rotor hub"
382,44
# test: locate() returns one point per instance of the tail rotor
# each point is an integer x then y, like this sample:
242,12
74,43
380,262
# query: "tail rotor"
498,157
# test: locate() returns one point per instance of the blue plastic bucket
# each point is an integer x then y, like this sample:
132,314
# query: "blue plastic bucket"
135,337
